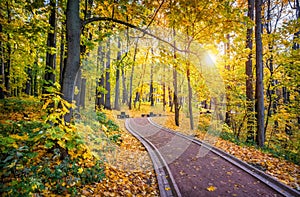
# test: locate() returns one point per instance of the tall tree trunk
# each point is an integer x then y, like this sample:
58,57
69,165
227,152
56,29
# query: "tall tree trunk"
131,75
125,94
28,85
73,54
249,75
61,57
78,86
296,44
107,103
51,45
259,92
7,59
175,85
190,97
170,99
2,79
117,88
164,95
82,93
151,93
100,73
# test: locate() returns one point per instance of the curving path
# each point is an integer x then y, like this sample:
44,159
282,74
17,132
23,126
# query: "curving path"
188,167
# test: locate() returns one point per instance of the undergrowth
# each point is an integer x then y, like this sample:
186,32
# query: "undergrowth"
46,156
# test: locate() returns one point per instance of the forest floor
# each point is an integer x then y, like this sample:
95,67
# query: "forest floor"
126,166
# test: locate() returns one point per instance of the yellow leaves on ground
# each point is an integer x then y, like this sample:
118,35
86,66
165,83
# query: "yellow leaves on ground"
128,167
124,183
211,188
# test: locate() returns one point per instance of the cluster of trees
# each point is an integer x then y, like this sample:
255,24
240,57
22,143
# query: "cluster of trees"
93,47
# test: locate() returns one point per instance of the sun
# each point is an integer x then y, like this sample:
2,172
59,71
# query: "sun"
210,58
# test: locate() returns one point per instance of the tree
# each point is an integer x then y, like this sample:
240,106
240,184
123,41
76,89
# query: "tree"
118,67
107,103
175,85
249,75
131,75
259,91
73,25
51,46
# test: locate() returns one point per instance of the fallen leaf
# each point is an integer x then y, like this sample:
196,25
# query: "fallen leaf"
211,188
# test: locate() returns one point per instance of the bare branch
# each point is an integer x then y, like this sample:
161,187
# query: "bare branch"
145,31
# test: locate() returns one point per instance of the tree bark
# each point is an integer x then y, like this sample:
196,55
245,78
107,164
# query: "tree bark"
73,53
51,43
249,75
190,98
7,59
61,57
170,99
125,94
131,75
100,80
107,104
117,88
78,85
259,92
2,80
83,92
151,92
175,84
28,85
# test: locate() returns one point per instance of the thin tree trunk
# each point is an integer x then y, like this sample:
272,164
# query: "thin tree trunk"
170,99
2,79
175,95
107,103
131,75
78,86
125,94
61,57
51,45
164,96
151,92
100,82
259,93
117,88
83,93
28,85
7,60
190,98
249,79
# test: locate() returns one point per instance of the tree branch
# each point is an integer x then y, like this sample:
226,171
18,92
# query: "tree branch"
94,19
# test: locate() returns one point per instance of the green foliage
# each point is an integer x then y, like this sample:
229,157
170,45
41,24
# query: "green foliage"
101,117
18,105
111,129
44,157
33,159
112,126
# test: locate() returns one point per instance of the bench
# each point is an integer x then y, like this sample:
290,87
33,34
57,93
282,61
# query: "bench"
122,115
151,114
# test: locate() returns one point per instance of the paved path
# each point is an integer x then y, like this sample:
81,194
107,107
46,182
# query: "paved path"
187,167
